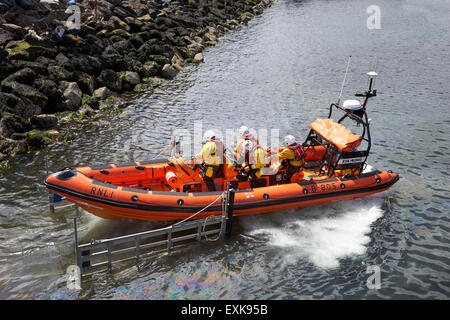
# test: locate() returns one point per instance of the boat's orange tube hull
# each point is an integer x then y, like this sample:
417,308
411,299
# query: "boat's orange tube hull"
109,200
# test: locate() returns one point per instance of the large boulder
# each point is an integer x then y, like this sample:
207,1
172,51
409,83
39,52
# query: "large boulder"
44,121
116,23
89,64
106,8
92,102
22,50
198,58
162,60
164,23
86,82
151,68
72,95
168,71
123,47
9,146
25,91
27,110
144,51
245,17
209,39
86,111
115,62
195,47
102,93
38,67
136,40
110,79
10,124
184,53
64,62
130,79
154,34
178,63
72,40
53,92
136,66
13,29
19,50
124,12
57,73
134,24
36,139
121,33
25,76
10,103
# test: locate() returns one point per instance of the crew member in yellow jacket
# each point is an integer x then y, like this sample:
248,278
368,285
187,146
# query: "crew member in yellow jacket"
255,159
292,158
212,158
245,135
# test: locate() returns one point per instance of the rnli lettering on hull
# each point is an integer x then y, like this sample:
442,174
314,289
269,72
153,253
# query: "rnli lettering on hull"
100,192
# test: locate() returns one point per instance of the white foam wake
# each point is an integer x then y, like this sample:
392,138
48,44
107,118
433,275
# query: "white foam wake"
324,234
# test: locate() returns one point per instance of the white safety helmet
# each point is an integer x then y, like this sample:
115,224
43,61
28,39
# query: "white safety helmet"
247,145
289,139
243,130
208,135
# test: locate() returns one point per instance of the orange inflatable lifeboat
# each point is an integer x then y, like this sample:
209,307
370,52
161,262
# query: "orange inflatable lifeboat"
172,189
140,190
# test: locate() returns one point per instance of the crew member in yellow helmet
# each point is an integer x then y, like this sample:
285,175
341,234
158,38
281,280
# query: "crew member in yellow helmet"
211,157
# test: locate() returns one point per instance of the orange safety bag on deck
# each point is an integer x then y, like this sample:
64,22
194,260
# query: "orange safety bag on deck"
336,133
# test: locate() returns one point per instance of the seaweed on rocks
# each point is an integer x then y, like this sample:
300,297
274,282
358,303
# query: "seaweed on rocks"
52,75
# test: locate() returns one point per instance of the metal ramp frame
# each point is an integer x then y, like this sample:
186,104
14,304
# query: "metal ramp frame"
105,252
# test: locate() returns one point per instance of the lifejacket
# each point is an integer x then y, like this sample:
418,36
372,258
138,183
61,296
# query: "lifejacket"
220,149
238,149
250,137
299,153
250,156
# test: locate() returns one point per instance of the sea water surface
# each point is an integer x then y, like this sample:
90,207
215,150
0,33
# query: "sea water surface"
280,72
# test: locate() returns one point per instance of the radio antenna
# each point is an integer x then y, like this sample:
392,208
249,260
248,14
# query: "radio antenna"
343,81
